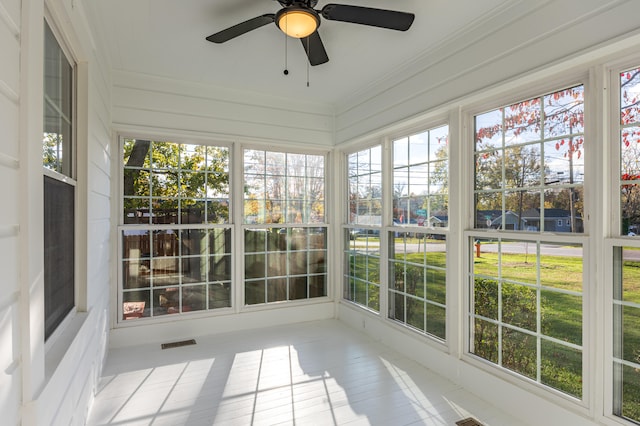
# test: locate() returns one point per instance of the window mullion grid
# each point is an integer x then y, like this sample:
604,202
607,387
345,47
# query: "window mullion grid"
366,271
503,194
206,188
307,248
541,182
287,262
265,280
152,237
207,259
538,314
306,198
425,298
289,231
151,186
180,231
263,201
500,320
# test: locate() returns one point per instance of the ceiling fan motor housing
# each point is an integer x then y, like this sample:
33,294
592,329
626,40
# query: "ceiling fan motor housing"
297,20
307,3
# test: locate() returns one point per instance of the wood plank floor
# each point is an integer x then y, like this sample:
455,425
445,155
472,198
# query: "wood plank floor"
316,373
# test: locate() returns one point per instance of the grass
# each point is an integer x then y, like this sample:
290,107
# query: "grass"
561,272
561,314
631,278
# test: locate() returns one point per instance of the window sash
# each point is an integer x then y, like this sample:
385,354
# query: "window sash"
59,185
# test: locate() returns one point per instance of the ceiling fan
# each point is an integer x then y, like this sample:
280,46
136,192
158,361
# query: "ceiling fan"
299,19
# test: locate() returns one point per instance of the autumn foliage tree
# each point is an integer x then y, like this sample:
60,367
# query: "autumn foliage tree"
529,155
630,149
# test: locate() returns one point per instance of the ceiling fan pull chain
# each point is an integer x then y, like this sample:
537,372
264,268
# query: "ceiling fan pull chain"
308,50
286,64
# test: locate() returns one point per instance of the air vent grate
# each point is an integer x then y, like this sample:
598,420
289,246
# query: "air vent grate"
468,422
178,344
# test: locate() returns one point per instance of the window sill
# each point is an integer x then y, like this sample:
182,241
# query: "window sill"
64,338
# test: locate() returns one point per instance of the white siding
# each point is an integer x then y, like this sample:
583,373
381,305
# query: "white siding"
53,386
166,106
10,379
69,392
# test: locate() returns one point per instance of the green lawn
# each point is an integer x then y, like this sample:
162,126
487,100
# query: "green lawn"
561,315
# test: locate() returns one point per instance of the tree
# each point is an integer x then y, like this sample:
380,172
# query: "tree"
630,148
285,187
532,149
175,182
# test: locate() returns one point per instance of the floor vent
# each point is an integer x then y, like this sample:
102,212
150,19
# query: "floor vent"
468,422
178,344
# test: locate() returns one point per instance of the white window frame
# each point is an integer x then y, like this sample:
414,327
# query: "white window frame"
349,226
385,140
78,174
517,93
612,223
242,226
121,226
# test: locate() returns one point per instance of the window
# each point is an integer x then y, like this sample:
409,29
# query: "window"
528,318
530,164
418,282
626,281
59,184
285,233
362,236
626,340
630,151
421,178
526,291
417,259
175,234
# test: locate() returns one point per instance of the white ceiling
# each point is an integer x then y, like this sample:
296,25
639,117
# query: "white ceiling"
166,38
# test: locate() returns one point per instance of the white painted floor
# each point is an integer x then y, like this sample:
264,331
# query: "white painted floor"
317,373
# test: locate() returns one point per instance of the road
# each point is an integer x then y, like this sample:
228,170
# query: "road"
517,247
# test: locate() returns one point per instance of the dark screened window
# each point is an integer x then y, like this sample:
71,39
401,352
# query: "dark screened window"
58,252
59,192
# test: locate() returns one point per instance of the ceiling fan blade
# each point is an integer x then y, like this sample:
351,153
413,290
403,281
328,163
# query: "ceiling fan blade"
241,28
315,49
382,18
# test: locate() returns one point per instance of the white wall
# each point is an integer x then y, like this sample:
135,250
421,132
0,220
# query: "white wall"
10,372
148,106
39,384
163,106
538,34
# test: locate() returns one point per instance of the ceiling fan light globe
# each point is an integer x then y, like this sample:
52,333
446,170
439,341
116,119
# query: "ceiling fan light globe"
297,22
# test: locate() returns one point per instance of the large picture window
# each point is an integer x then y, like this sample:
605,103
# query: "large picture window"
58,159
285,234
175,238
526,292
